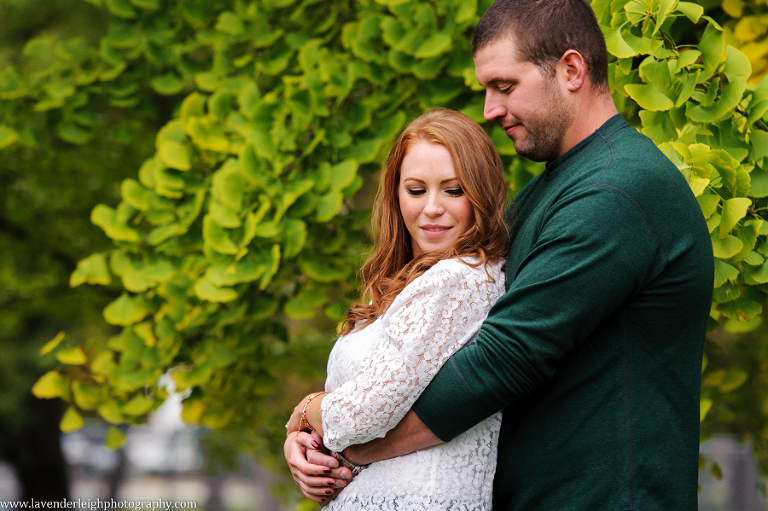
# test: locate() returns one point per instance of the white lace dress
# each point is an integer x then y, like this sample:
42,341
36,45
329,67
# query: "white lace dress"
377,373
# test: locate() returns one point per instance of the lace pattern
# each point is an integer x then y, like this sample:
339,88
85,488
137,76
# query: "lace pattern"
377,373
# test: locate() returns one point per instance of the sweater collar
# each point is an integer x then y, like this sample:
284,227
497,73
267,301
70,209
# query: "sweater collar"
554,167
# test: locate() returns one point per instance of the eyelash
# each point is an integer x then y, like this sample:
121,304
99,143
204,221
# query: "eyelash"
453,192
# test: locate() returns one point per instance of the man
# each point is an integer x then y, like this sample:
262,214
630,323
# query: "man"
594,352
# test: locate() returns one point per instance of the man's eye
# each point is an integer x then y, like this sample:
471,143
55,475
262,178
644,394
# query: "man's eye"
455,192
505,90
415,192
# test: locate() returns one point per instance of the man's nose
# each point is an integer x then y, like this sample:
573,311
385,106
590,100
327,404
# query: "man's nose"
493,108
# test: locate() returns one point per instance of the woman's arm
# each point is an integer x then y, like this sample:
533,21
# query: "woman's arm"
427,323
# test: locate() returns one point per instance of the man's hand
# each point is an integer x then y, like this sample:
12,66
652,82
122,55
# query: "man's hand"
317,474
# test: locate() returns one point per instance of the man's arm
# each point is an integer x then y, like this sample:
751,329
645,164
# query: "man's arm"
410,435
583,263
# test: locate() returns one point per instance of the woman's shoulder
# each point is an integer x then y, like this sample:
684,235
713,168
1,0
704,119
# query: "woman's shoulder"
461,270
467,266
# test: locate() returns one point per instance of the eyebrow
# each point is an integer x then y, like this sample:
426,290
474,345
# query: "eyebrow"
422,181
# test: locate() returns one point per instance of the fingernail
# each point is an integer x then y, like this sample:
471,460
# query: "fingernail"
328,492
331,484
323,499
333,464
314,444
326,470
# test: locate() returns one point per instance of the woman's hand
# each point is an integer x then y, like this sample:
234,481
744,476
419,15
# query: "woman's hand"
317,474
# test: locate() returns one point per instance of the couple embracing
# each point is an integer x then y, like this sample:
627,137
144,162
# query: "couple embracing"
548,359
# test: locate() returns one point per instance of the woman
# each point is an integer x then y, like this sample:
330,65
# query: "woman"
430,282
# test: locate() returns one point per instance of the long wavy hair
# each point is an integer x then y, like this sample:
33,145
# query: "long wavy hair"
478,168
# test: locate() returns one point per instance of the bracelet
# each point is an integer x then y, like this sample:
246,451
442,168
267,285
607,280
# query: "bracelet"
304,424
356,469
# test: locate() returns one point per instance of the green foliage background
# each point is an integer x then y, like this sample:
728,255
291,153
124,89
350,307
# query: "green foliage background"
234,146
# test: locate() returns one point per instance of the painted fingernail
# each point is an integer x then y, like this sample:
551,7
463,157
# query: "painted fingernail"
326,470
314,444
331,484
328,492
323,499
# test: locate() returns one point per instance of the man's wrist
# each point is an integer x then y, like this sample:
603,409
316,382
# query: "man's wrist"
345,462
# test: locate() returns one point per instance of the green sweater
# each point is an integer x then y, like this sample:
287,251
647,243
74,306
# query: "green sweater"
594,353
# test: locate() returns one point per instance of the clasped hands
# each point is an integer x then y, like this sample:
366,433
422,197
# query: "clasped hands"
316,472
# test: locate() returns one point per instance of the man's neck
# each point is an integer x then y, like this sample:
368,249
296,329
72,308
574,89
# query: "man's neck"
591,113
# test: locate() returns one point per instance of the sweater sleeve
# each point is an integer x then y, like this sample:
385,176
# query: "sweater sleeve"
594,250
429,321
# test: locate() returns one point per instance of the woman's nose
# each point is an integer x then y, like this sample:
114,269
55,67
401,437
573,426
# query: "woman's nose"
434,206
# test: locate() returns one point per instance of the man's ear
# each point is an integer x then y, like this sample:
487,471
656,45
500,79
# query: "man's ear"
573,70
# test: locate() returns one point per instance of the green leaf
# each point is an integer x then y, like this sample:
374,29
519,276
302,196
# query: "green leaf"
712,47
138,406
217,237
8,136
74,134
51,345
114,438
206,290
733,211
466,11
691,10
106,218
273,264
730,98
229,186
724,272
737,64
759,181
708,203
760,275
121,8
741,309
167,84
435,45
175,154
50,385
93,270
86,396
294,237
759,145
329,205
126,310
229,23
649,97
342,174
727,247
135,194
71,421
72,356
303,305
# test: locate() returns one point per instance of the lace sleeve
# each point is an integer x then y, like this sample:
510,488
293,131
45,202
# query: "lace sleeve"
429,321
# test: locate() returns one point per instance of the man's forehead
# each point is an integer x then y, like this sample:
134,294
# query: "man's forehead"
496,61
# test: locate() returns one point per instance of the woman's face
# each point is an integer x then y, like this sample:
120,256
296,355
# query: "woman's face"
433,205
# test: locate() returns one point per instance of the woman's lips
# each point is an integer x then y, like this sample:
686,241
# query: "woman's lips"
434,231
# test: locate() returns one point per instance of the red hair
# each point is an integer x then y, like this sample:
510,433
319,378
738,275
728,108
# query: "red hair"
478,167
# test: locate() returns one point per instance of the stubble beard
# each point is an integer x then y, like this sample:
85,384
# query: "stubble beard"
545,133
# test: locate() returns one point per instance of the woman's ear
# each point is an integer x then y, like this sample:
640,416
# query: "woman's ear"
573,70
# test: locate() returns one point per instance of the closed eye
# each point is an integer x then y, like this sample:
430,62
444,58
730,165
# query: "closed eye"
415,192
455,192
